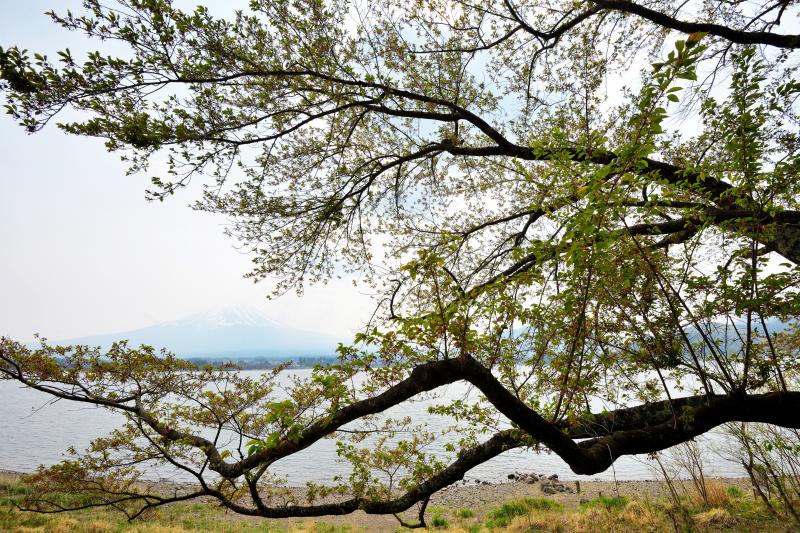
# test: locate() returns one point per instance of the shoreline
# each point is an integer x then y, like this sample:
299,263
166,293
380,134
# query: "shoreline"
475,482
481,498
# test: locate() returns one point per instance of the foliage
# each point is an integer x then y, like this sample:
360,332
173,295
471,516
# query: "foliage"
614,271
771,457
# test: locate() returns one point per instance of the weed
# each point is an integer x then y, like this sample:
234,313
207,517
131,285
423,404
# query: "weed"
438,521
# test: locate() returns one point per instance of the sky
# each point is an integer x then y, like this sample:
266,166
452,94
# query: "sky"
81,250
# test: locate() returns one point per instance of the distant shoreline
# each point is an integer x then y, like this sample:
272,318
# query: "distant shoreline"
483,490
259,363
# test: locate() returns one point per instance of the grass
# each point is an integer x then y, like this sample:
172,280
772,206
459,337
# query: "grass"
503,515
735,512
439,522
176,518
610,503
717,495
729,509
735,492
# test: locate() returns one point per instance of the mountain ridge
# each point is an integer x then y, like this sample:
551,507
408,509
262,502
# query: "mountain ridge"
223,333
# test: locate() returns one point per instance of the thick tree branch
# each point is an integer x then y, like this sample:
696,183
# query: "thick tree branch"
725,32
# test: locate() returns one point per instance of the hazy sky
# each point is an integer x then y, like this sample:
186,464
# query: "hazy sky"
82,252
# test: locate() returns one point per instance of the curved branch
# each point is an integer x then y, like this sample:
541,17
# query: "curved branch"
727,33
638,432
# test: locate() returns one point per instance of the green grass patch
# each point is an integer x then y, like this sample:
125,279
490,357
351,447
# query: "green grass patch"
34,520
734,491
610,503
14,489
439,522
323,527
503,515
465,513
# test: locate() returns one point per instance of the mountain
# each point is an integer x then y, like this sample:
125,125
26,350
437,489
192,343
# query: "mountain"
223,333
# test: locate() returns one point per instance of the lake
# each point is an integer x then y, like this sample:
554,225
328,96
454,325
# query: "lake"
35,430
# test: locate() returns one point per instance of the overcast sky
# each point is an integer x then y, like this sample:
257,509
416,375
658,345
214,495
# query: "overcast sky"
82,252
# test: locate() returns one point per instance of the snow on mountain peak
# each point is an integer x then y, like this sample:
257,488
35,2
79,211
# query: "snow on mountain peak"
227,317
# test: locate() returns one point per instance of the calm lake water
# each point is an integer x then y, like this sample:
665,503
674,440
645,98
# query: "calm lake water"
34,431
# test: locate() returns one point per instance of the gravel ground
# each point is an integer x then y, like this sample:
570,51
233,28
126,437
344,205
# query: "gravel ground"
482,498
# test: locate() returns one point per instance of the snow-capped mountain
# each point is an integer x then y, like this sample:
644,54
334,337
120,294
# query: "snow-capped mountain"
226,317
229,332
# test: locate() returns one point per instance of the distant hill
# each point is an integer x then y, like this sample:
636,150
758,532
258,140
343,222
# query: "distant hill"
229,333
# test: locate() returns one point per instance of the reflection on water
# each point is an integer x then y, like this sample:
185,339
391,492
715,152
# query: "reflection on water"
34,430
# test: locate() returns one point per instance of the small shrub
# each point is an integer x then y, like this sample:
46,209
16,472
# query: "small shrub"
465,513
474,528
716,495
438,521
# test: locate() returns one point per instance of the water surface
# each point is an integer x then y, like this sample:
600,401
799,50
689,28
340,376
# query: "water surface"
36,430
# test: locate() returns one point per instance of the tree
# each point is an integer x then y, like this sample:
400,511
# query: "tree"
549,238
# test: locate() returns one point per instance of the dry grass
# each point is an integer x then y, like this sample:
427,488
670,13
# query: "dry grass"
64,525
714,517
620,515
633,516
644,516
155,528
536,522
99,526
636,517
716,494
